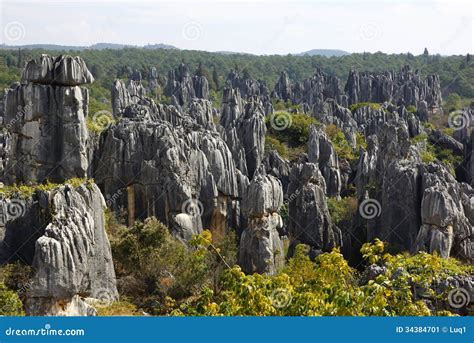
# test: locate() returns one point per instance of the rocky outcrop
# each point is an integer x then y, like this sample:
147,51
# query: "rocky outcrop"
45,119
243,128
183,87
61,233
62,70
124,96
311,91
260,249
321,152
247,87
309,219
178,174
446,215
405,87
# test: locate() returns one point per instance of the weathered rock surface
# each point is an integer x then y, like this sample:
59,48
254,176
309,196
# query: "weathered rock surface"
62,70
47,130
183,87
405,87
61,233
261,250
309,219
243,128
321,152
315,89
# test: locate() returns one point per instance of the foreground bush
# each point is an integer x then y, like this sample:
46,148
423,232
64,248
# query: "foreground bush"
329,287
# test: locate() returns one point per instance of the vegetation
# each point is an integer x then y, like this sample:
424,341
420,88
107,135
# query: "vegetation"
117,308
456,72
26,191
329,286
10,303
288,133
153,267
342,210
411,108
372,105
340,143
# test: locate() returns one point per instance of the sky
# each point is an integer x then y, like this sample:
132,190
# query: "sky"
259,26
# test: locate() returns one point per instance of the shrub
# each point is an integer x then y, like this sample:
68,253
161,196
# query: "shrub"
342,210
272,143
152,265
10,303
340,143
26,191
411,109
329,286
372,105
296,132
117,308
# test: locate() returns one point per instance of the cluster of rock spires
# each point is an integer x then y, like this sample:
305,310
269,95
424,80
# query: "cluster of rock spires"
60,232
193,166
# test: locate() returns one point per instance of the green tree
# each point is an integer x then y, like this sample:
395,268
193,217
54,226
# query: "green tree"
10,303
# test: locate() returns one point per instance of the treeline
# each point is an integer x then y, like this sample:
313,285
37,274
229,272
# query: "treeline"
456,72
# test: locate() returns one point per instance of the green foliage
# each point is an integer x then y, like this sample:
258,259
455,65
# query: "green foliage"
117,308
329,286
152,265
295,132
26,191
427,156
372,105
340,143
452,102
411,108
361,143
342,210
10,303
423,137
431,153
272,143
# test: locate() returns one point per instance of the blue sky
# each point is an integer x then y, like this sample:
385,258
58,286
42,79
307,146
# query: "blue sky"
260,27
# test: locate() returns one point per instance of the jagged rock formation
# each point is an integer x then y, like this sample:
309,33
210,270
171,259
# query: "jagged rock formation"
61,233
261,250
247,87
183,87
321,152
62,70
446,215
244,129
193,167
45,117
309,219
123,96
311,91
170,163
405,87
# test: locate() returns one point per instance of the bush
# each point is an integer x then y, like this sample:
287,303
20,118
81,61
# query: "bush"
372,105
295,132
329,287
272,143
342,210
340,143
26,191
10,303
411,109
152,265
117,308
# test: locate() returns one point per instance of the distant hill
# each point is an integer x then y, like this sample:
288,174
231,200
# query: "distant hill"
325,52
97,46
